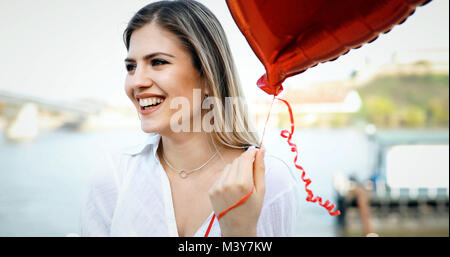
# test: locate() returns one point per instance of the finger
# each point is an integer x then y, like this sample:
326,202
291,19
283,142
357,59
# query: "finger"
249,154
220,181
246,167
232,173
246,158
259,171
244,179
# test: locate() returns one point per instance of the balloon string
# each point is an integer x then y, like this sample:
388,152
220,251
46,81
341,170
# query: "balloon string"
285,134
235,205
210,225
248,195
227,210
267,120
310,198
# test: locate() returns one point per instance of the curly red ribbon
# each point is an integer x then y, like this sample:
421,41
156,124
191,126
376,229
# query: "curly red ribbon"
310,198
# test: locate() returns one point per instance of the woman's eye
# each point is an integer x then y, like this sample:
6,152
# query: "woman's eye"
130,67
156,62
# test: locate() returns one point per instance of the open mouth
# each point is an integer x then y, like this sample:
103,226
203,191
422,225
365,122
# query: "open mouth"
146,105
151,102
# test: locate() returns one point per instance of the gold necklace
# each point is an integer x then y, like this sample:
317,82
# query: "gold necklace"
184,173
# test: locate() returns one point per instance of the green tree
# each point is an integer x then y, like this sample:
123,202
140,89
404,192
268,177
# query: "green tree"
439,112
380,110
413,116
408,100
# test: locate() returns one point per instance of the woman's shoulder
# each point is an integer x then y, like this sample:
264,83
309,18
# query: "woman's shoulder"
280,178
112,164
106,169
277,169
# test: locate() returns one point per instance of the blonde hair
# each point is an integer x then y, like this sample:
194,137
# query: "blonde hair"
202,35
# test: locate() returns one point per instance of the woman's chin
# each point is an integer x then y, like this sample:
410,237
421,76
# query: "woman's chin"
150,128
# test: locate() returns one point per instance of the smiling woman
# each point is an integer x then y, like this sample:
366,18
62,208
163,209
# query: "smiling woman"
174,183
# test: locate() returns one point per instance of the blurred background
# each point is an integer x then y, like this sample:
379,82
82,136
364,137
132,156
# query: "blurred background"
371,127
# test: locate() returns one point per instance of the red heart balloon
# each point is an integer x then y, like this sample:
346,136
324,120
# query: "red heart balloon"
290,36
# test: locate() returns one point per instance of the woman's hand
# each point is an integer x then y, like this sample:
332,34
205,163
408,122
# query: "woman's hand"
238,179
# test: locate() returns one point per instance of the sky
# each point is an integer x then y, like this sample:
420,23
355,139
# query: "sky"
73,49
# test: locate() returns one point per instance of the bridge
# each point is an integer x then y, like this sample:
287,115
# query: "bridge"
24,114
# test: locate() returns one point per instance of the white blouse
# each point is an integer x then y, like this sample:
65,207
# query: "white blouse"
130,195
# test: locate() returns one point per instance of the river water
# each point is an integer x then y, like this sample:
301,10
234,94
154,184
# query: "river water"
43,183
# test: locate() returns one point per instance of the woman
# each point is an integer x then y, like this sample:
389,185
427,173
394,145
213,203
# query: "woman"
174,183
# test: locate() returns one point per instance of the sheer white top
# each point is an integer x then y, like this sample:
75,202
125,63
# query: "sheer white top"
130,195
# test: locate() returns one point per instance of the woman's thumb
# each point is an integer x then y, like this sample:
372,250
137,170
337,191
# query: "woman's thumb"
259,171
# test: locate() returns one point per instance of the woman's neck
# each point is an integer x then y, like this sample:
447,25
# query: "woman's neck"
188,151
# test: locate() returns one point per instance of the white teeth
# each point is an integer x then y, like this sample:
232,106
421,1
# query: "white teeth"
150,101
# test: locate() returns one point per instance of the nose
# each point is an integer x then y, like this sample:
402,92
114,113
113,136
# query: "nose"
141,79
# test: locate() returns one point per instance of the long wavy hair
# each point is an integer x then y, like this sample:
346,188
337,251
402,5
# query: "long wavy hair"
202,35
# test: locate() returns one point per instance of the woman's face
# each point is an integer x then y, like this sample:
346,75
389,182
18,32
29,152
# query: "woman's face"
159,69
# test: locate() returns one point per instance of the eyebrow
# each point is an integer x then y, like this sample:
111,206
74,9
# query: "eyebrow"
149,56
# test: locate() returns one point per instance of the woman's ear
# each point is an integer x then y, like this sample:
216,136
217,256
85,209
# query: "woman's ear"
206,90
